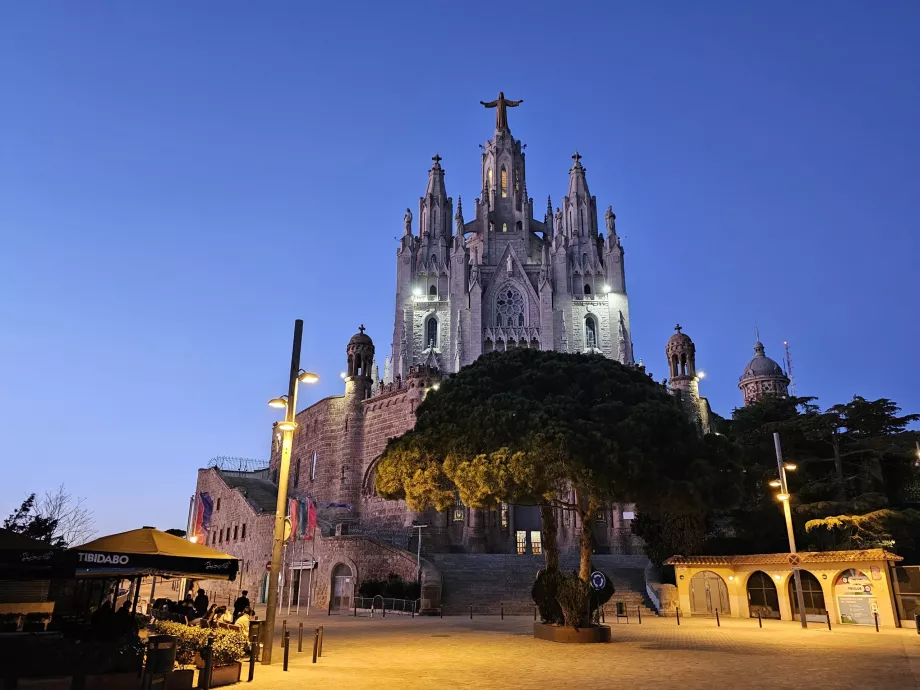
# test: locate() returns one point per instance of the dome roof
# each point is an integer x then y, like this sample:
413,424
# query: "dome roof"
679,338
360,338
762,365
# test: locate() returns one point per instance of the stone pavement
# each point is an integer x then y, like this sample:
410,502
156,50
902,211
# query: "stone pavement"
405,653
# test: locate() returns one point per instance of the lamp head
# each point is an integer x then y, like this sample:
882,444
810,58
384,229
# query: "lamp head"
307,377
287,426
790,466
278,403
783,497
776,483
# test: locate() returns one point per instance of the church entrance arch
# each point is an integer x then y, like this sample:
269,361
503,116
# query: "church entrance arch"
762,596
708,592
343,587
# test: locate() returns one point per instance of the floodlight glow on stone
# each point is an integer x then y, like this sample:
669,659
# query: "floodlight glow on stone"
606,289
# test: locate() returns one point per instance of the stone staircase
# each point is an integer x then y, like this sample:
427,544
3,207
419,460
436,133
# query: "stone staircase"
488,580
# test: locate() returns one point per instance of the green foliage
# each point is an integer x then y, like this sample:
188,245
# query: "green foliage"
27,521
544,592
879,529
668,534
229,645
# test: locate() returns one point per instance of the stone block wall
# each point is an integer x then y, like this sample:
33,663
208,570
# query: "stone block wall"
237,528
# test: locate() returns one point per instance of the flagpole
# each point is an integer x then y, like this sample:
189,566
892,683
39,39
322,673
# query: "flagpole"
300,579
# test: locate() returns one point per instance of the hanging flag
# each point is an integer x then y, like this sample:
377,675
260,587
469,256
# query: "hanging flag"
203,509
293,515
311,520
302,518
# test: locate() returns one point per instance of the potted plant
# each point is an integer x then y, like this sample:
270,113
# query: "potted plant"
229,646
35,621
9,622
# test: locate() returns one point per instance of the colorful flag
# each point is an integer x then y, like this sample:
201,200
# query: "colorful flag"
293,515
311,520
203,509
302,518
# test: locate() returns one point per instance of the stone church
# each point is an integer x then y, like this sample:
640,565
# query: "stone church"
501,280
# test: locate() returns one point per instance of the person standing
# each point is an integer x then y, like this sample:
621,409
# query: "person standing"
201,603
241,604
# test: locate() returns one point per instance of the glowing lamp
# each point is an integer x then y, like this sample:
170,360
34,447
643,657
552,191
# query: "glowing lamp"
342,374
278,403
776,482
783,497
607,289
193,539
701,374
790,466
436,386
307,377
777,577
287,426
417,291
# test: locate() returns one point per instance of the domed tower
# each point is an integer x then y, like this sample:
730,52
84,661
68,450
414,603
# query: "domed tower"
684,382
358,378
681,354
762,376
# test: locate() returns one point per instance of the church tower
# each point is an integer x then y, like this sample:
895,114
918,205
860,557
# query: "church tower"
684,381
503,278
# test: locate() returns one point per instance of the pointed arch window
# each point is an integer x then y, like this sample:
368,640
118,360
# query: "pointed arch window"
433,291
504,225
590,332
587,289
490,178
517,180
431,332
504,182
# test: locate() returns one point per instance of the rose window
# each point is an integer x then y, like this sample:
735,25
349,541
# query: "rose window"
509,307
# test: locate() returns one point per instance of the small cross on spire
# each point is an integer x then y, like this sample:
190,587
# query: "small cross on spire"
677,328
437,159
577,158
361,328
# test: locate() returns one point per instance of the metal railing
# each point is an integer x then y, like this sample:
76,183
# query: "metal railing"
381,606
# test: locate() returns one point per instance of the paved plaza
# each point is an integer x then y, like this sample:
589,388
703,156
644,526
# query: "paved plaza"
400,652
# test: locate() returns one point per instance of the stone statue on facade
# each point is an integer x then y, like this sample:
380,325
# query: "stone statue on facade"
408,221
558,221
611,218
501,114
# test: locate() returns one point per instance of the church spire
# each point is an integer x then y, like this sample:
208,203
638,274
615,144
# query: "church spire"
580,208
434,207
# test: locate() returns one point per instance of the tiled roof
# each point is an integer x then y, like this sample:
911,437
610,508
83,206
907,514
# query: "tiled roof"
262,494
784,558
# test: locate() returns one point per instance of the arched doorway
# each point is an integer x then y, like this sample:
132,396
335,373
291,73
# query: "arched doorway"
856,599
762,596
811,593
708,593
343,587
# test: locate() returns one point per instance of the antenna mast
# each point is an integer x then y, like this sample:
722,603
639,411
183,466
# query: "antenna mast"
789,369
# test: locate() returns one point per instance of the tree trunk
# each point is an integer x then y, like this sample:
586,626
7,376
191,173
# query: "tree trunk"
586,538
838,469
550,543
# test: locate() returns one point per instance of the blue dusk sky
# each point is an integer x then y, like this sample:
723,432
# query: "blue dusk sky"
180,181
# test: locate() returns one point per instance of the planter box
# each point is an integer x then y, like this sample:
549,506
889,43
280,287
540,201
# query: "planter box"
560,633
181,679
112,681
223,675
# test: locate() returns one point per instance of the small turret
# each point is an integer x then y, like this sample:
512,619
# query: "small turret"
359,375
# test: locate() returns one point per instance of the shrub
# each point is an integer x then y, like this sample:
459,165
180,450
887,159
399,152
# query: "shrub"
229,645
544,595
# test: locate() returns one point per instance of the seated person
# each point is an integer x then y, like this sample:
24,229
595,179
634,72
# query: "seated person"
243,621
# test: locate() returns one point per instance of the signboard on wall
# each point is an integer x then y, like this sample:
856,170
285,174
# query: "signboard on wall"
856,599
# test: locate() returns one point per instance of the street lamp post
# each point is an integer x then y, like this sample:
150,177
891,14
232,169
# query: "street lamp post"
784,499
289,403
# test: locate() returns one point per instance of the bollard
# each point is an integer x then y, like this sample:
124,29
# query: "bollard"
413,610
287,649
441,611
300,637
876,621
535,617
759,620
718,624
502,604
678,614
356,608
471,612
320,641
252,663
283,628
315,643
208,664
384,609
917,622
828,616
603,614
372,609
639,613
